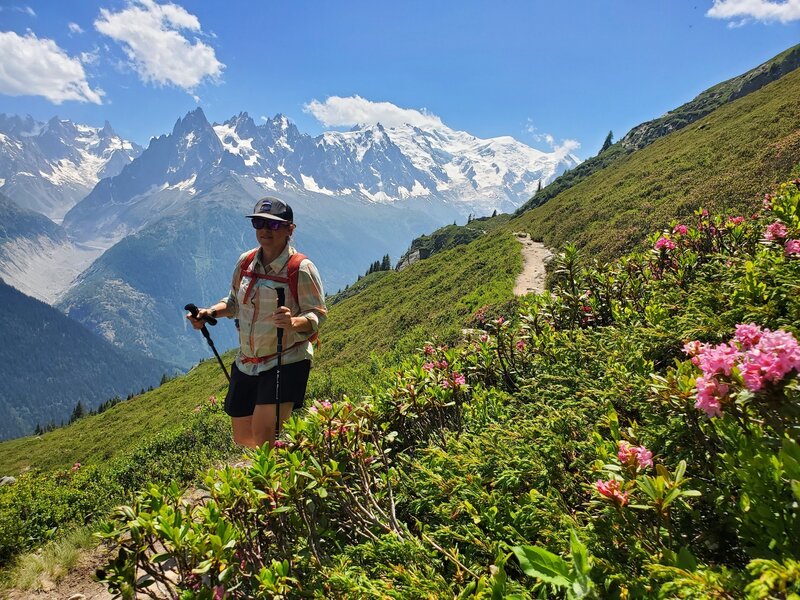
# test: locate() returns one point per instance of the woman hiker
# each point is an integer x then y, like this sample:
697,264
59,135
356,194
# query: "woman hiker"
267,385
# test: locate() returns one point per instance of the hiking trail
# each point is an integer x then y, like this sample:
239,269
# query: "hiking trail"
534,258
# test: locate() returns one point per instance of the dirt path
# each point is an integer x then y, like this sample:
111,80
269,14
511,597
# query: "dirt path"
534,256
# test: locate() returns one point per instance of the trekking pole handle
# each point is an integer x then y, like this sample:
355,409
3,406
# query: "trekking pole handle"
193,310
281,302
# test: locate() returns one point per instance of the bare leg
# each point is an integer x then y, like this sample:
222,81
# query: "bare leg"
264,420
243,431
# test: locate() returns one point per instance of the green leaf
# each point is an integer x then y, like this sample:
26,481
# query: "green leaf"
541,564
686,560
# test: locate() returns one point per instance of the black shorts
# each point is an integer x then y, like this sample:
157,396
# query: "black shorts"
245,391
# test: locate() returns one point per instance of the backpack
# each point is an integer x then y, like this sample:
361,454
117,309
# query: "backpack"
293,272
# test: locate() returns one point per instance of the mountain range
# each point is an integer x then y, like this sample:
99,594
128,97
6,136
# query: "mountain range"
166,228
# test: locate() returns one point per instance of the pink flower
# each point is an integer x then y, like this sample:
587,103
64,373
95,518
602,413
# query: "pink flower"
521,345
704,212
585,308
484,338
611,490
664,243
428,367
279,444
709,394
719,359
212,400
775,355
445,384
792,248
501,320
634,456
776,231
441,364
736,220
219,592
76,466
748,335
459,379
428,349
680,229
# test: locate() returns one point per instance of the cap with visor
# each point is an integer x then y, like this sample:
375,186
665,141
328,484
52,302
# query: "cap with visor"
274,209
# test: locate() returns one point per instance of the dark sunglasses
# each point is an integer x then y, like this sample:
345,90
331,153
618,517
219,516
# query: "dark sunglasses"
268,223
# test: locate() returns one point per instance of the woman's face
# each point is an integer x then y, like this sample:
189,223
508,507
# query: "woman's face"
273,241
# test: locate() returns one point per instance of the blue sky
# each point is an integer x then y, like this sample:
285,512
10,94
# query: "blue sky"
547,73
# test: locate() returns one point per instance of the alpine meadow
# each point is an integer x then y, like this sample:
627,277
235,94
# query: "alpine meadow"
632,431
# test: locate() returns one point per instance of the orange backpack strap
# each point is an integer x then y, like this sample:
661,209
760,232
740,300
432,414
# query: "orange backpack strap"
294,275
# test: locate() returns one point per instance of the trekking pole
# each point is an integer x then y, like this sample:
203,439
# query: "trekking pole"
211,321
281,301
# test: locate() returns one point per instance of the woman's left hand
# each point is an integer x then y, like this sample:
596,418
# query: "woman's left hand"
283,318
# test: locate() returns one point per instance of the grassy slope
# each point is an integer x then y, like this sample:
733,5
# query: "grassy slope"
737,152
97,438
429,298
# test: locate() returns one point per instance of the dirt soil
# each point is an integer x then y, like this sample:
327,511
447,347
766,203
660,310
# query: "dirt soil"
535,256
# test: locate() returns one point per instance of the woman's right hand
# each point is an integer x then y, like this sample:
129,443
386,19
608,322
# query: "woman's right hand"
202,314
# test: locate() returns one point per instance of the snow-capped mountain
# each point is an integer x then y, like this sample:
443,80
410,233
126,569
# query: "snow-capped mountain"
49,167
172,219
456,171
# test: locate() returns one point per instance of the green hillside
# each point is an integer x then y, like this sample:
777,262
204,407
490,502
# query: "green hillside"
723,161
433,297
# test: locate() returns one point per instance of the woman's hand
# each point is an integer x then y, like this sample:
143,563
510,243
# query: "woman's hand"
283,319
202,314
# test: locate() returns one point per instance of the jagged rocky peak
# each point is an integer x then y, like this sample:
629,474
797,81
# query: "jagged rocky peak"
107,131
195,120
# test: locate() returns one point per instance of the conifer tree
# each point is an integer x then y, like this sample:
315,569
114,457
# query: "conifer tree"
608,142
386,264
539,187
77,412
494,214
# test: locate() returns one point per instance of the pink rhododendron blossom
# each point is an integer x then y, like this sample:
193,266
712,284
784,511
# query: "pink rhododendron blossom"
441,364
635,456
719,359
76,466
279,444
219,592
521,345
736,220
484,338
665,244
709,393
428,367
428,349
776,231
212,400
459,379
776,355
587,309
445,384
748,335
792,248
704,212
611,490
680,229
501,320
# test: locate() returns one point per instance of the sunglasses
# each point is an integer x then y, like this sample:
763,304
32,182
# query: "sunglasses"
268,223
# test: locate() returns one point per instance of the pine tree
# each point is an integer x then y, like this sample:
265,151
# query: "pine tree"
608,142
386,265
539,187
77,412
38,430
494,214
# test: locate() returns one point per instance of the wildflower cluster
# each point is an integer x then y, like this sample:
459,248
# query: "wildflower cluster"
755,358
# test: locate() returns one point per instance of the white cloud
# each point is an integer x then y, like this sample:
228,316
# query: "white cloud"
23,9
560,150
355,110
760,10
30,66
90,58
74,28
151,36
